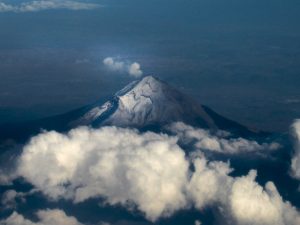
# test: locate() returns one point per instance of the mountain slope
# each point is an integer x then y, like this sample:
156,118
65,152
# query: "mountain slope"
147,102
142,104
151,102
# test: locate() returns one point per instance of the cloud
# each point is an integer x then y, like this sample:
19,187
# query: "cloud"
6,177
121,165
147,171
46,217
220,142
6,7
209,183
292,101
198,222
250,203
133,69
295,164
9,197
241,200
39,5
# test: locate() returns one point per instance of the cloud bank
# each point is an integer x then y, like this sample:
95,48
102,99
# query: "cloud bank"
39,5
133,69
147,171
295,164
46,217
121,165
220,142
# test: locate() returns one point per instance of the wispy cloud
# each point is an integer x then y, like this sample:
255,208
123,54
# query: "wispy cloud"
39,5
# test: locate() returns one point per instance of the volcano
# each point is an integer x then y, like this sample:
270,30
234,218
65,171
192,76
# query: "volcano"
143,104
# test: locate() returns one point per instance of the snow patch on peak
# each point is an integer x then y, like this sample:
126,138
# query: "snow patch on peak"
150,80
141,85
93,114
151,101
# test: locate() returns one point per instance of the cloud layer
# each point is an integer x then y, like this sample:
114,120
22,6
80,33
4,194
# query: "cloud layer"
39,5
148,171
220,142
295,164
133,69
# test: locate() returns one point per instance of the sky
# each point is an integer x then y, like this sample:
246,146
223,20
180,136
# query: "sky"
241,58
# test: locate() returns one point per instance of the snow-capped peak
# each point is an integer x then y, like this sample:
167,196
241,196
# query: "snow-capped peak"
148,101
152,103
143,104
142,94
141,85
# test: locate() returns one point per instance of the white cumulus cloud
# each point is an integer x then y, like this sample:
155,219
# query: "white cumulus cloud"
133,69
241,200
209,183
39,5
46,217
251,203
120,165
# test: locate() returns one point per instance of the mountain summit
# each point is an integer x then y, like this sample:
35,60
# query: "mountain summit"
146,102
152,102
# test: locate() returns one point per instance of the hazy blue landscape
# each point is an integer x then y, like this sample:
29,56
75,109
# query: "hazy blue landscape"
136,112
239,57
